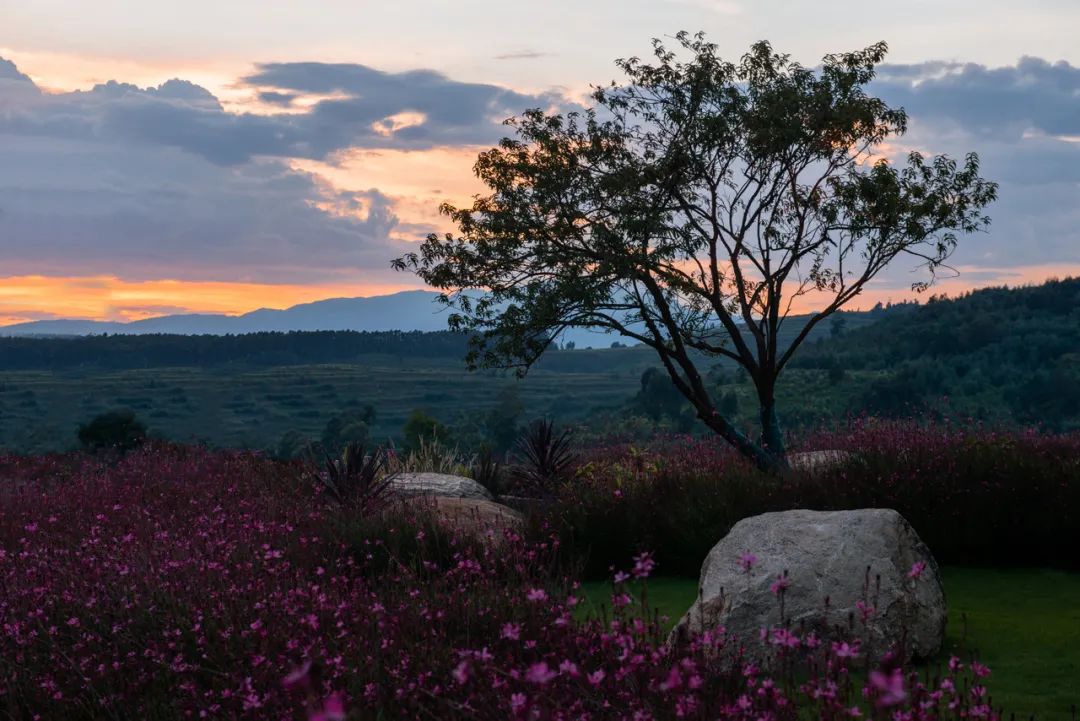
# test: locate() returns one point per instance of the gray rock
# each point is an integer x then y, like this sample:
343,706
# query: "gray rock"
409,485
469,514
817,461
825,554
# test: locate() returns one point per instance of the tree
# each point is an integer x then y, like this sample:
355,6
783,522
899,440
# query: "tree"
352,426
689,210
658,396
423,428
836,326
116,430
504,418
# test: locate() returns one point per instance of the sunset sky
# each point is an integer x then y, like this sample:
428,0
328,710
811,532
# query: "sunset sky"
226,155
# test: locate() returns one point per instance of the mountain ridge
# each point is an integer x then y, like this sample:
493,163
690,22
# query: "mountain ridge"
404,310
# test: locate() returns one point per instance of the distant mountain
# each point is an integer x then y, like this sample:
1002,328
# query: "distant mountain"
408,310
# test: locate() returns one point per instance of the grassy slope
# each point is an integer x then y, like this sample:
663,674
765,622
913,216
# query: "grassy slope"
237,406
1025,624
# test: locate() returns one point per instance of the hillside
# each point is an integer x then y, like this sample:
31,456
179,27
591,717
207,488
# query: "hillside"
999,355
996,354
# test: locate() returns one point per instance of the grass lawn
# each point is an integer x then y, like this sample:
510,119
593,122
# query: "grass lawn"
1025,624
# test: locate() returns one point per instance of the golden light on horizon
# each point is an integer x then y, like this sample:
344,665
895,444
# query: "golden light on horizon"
26,298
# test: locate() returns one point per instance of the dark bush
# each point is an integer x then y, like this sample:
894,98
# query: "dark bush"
117,430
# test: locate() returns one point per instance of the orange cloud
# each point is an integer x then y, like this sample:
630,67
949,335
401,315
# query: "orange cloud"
416,180
63,72
25,298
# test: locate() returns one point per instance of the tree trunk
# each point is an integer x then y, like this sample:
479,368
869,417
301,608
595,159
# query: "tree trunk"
772,437
763,459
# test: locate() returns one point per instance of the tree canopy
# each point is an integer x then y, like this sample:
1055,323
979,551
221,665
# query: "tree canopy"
690,210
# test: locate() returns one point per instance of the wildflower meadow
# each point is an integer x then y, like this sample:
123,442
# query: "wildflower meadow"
179,582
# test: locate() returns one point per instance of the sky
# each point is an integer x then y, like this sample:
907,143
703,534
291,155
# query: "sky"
210,156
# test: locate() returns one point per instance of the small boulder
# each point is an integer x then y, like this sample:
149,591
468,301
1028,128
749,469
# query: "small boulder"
469,514
409,485
859,560
814,462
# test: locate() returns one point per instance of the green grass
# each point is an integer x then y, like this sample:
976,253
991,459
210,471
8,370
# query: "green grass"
1023,623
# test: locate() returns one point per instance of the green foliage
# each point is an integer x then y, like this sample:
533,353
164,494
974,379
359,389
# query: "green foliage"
746,171
999,354
488,472
117,430
658,397
292,445
423,428
502,423
352,426
729,404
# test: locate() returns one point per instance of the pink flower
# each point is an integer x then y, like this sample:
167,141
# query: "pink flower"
300,678
517,702
511,631
917,569
622,577
569,668
539,673
979,670
461,673
780,585
673,680
785,638
866,611
333,710
596,677
536,595
845,650
747,561
890,688
643,565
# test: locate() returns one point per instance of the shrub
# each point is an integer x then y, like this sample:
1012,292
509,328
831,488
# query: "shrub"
117,430
356,480
975,495
546,458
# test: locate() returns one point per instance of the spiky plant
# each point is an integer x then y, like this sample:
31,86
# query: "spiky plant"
486,470
356,479
547,457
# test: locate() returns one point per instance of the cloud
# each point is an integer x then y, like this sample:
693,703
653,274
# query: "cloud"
1003,103
1018,119
357,109
164,182
524,55
276,98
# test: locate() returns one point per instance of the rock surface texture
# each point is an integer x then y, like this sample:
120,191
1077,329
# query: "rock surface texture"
817,461
408,485
473,515
826,555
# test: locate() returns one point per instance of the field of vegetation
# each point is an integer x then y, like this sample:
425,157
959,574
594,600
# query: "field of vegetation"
177,579
997,356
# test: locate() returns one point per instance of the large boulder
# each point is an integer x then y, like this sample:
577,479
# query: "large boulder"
861,561
470,514
409,485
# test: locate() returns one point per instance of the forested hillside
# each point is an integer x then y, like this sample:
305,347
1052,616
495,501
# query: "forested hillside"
996,354
1002,356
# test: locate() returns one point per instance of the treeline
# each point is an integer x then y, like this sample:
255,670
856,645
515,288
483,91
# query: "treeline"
122,352
992,350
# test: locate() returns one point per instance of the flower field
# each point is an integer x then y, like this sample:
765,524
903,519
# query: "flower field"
178,582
